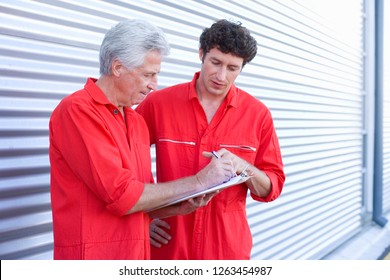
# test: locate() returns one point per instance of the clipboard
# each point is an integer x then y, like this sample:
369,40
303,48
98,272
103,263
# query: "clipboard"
241,178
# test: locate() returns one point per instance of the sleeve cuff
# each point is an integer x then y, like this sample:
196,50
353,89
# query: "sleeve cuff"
275,191
129,198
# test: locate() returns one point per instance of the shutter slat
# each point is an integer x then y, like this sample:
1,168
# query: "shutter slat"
309,71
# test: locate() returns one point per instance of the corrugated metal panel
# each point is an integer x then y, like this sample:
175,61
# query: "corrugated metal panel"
311,81
42,59
386,110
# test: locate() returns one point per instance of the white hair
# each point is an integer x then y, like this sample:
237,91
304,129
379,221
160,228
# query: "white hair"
130,41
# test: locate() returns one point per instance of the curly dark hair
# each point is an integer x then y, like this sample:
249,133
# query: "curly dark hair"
229,37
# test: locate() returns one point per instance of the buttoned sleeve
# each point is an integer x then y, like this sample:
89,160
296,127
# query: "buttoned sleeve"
269,159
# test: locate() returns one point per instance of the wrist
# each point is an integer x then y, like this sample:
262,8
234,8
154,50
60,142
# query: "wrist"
198,182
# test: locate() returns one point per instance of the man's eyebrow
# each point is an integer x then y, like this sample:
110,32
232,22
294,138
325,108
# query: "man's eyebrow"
216,59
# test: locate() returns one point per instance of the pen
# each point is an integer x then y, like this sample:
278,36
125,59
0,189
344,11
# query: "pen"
215,154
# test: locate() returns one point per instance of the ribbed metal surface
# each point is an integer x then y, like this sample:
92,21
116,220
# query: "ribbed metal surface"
386,110
44,55
312,81
309,78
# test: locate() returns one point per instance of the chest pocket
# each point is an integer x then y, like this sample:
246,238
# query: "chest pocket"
175,157
246,150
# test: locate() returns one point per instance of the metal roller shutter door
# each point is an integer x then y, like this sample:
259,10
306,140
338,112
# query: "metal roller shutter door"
386,110
311,81
313,85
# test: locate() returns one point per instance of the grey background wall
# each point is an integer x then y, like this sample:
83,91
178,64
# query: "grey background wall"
314,70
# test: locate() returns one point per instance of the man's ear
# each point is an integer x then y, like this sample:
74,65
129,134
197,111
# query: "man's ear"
116,68
201,55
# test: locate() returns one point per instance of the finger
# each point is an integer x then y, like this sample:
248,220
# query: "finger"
157,234
230,167
196,201
193,201
190,205
161,235
228,171
207,154
210,195
155,243
223,152
158,238
161,223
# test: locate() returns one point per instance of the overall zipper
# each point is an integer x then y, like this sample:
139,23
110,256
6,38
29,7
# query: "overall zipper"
177,141
242,147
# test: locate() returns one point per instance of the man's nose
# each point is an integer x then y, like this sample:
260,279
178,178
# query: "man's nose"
153,84
221,74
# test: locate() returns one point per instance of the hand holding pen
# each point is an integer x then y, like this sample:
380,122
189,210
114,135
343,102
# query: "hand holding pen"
217,171
239,164
214,153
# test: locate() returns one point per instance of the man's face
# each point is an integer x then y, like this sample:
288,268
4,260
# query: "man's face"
135,84
218,72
